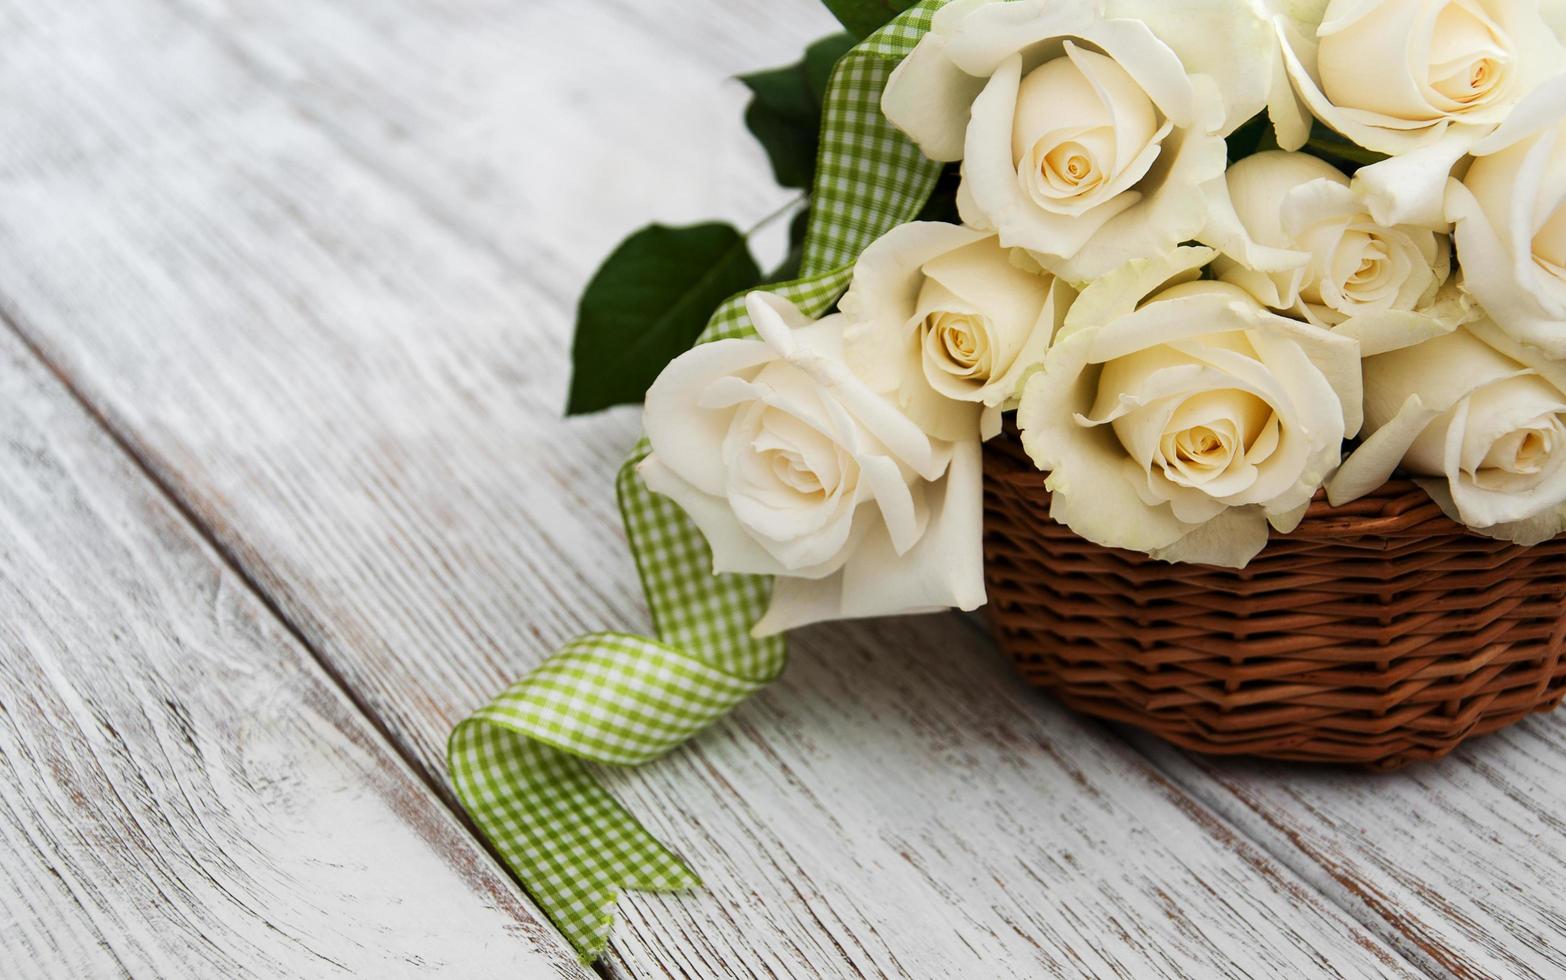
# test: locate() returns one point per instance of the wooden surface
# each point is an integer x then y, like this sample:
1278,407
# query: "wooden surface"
183,792
310,269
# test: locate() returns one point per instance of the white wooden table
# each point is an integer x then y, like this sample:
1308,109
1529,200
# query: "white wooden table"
287,288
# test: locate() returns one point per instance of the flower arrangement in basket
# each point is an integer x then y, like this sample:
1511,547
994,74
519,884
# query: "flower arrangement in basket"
1220,343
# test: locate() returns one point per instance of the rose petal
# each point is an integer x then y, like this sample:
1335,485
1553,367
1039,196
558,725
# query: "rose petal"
945,568
1491,277
1228,41
1169,210
1527,533
928,98
1442,371
733,548
799,602
1005,389
1408,189
681,432
1544,106
1092,495
1156,68
1372,463
1118,294
1357,58
1229,540
989,35
1381,331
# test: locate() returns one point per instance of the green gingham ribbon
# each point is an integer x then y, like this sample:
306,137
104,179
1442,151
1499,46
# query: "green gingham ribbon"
521,763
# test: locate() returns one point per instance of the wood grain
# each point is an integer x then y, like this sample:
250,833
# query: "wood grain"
898,806
182,792
1464,860
315,263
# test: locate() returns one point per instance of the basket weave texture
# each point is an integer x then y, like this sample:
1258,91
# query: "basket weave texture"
1377,633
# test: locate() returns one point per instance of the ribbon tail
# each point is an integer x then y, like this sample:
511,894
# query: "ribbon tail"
520,767
562,834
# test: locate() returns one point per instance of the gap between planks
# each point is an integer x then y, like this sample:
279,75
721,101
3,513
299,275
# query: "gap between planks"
440,792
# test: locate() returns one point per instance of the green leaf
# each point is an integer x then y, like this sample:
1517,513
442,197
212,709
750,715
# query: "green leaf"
1339,150
1253,136
864,17
646,305
942,203
785,109
820,58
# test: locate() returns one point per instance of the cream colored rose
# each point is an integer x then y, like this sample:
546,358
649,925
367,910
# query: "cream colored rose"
792,467
1419,79
1509,222
1083,139
1182,425
1295,236
1480,420
945,321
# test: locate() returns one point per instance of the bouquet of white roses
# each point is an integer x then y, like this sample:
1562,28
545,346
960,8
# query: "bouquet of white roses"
1219,256
1218,259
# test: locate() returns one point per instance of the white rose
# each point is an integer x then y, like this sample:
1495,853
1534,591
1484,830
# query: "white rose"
1421,80
1083,139
1480,420
945,321
1182,425
792,467
1509,222
1296,236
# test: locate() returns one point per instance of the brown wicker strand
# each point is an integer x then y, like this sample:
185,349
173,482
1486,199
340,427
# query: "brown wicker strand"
1378,633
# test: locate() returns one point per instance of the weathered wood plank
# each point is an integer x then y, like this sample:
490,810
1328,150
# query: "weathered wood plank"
898,806
1465,860
545,130
355,387
182,792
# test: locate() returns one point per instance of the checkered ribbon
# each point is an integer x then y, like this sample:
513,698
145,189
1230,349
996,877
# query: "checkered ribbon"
520,764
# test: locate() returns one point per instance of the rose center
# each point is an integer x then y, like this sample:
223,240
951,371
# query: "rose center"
1214,434
1523,452
958,343
1369,267
1202,446
1469,58
1071,168
791,462
792,471
1083,130
1471,86
1482,76
1535,445
1366,269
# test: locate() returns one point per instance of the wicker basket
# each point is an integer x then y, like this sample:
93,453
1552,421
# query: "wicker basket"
1377,633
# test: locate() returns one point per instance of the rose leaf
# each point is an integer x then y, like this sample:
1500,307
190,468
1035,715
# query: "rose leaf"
784,113
647,304
864,17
